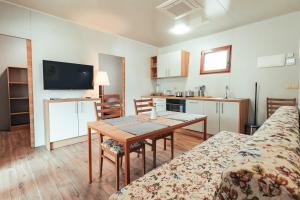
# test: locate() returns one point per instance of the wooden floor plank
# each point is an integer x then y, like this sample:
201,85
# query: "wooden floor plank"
60,175
14,191
38,164
26,182
4,184
28,173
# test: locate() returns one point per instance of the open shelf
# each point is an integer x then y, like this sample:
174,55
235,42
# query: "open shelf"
17,120
18,91
17,75
18,83
18,96
20,126
19,106
153,67
19,113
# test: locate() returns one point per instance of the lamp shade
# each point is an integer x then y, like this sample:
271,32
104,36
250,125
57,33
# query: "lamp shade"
102,78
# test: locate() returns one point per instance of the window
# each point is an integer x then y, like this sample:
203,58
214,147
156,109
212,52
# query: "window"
216,60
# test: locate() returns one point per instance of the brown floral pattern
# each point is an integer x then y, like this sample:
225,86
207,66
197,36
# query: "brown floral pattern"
231,166
193,175
269,166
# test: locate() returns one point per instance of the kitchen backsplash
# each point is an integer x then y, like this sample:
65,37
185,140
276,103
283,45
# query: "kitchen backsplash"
184,84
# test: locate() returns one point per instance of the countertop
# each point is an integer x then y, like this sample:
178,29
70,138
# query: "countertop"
207,98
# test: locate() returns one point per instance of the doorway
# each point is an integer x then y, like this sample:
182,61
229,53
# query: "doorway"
114,66
16,100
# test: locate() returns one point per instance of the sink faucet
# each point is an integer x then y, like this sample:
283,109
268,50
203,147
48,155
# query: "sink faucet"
226,92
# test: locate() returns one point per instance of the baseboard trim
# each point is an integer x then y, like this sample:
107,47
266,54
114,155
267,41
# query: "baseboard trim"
62,143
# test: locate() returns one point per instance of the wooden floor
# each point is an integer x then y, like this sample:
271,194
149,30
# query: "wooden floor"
27,173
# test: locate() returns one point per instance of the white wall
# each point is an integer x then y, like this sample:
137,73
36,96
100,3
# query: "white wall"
274,36
112,65
61,40
12,53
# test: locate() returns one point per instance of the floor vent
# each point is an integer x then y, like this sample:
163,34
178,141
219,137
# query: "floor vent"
179,8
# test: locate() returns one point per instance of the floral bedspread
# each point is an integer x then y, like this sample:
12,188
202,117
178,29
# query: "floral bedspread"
195,174
269,166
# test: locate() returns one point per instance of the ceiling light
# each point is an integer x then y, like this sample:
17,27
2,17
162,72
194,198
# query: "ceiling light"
180,29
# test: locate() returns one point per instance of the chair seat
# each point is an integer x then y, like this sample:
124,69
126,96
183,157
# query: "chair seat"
117,148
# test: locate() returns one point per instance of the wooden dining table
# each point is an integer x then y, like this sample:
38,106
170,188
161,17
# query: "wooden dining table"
127,138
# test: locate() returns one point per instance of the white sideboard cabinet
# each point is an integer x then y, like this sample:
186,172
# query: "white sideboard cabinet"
66,120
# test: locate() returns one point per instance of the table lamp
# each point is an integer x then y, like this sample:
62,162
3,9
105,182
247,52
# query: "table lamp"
102,80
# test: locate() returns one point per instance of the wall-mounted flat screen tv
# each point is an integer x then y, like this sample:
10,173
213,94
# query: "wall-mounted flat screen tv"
67,76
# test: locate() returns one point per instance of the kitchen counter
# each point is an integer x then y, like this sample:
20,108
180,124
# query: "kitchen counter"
206,98
223,114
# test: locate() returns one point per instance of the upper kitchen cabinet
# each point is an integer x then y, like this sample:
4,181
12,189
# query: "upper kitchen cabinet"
173,64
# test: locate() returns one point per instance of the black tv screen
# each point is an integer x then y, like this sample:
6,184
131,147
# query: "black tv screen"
65,76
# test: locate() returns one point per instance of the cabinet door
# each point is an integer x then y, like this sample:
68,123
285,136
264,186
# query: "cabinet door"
86,113
229,116
161,66
174,65
63,120
211,109
195,107
161,104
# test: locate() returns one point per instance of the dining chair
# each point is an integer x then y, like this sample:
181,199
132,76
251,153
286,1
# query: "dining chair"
113,100
109,110
143,106
274,103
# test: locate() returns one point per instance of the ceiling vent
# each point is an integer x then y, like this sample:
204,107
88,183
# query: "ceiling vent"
179,8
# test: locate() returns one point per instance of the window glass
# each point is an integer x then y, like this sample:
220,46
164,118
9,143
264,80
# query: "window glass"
216,60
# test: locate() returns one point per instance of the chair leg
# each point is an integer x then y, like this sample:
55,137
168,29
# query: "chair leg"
101,156
154,153
172,145
101,162
152,146
117,164
121,160
144,159
165,143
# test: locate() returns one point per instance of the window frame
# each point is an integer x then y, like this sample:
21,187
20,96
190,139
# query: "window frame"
227,48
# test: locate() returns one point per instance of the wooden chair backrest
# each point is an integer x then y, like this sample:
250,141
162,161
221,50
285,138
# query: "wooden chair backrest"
110,107
274,103
142,105
107,97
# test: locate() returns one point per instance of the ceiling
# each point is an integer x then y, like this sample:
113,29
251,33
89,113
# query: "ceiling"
140,20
